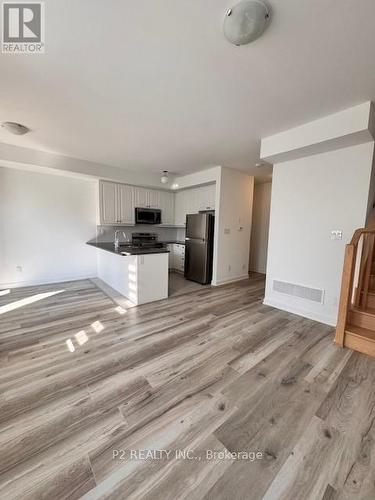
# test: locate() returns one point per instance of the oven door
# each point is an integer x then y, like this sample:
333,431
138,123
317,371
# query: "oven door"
147,216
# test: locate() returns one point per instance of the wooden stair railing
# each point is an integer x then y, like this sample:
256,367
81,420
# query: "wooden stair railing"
355,296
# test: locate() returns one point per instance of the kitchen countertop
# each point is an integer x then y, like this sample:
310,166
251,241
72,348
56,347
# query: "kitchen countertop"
126,249
173,242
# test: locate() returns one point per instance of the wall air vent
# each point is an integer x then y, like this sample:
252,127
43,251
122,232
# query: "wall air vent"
303,292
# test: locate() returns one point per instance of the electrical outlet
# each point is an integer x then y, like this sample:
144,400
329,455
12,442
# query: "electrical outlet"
243,266
226,230
19,269
336,234
229,268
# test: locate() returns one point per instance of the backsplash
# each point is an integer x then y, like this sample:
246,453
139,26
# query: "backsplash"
181,234
107,233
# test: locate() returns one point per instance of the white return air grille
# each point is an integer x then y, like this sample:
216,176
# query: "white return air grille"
303,292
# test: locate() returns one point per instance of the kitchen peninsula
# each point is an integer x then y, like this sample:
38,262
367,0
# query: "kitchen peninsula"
140,274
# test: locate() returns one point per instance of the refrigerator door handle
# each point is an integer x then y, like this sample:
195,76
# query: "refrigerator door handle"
203,240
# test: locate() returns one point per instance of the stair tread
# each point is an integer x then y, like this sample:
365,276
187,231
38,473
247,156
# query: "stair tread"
361,332
370,311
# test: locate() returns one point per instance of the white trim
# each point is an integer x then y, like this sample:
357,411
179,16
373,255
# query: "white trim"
321,318
230,280
62,279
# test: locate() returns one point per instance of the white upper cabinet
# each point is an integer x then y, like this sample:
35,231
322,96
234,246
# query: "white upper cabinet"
118,202
181,207
153,198
147,198
108,203
192,201
206,197
140,197
167,204
126,204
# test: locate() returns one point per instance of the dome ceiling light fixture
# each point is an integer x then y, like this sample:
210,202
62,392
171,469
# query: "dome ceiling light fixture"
15,128
246,21
164,178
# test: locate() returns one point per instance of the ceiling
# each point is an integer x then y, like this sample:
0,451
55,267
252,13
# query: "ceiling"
154,85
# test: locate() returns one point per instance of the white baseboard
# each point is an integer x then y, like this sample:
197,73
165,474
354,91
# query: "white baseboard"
230,280
46,281
321,318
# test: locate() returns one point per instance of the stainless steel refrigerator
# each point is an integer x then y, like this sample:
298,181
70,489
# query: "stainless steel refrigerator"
199,247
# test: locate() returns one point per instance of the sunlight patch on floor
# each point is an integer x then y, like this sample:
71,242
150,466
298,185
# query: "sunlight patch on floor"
29,300
97,326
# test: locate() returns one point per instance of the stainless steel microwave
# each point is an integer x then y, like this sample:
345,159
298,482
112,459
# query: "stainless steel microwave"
147,216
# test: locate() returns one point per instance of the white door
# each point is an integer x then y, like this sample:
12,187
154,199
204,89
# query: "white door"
109,211
126,207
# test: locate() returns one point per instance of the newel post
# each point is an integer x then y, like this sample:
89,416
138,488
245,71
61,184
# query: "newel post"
345,295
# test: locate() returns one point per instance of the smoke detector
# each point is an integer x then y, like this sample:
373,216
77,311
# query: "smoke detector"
246,21
15,128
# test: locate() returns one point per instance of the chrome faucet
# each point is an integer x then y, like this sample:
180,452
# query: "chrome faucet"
117,241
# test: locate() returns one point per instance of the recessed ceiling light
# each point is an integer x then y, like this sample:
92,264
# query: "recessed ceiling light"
164,177
174,185
15,128
246,21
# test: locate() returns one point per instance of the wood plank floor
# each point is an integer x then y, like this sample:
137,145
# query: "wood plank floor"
83,382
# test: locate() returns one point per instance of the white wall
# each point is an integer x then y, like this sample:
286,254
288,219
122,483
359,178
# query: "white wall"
352,126
310,197
260,227
45,221
233,226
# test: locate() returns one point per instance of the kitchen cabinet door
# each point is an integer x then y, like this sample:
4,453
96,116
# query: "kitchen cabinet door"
140,197
192,201
170,256
167,207
153,198
180,208
211,195
109,206
205,198
126,206
179,257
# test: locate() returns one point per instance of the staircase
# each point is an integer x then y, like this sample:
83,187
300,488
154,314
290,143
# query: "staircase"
356,319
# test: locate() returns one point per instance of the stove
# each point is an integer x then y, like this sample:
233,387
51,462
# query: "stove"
146,240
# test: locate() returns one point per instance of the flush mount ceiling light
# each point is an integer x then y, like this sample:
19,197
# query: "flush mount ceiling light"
15,128
246,21
164,177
